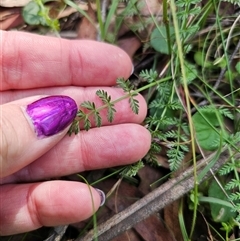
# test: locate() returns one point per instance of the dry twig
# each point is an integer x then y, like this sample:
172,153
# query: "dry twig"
155,201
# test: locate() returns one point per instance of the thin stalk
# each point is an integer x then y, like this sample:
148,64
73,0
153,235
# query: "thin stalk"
75,6
94,211
100,20
166,23
191,127
225,50
126,96
112,10
181,221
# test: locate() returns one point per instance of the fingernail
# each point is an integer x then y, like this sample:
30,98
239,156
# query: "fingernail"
52,114
102,196
132,69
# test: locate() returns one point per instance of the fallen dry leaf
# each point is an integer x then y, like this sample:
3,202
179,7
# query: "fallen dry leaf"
13,3
86,29
130,235
152,229
130,45
10,18
149,175
12,22
171,219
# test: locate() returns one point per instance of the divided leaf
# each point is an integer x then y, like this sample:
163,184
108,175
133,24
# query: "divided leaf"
110,114
106,99
88,105
87,124
134,104
125,85
128,88
103,95
107,104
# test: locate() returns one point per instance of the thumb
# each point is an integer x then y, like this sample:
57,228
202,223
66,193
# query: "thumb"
30,130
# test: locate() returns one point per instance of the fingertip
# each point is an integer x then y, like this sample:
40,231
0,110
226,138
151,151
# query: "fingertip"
145,139
66,202
60,62
99,63
102,196
143,107
51,203
30,128
52,114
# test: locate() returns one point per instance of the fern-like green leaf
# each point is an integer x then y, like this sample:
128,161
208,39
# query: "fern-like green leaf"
227,168
175,158
149,75
106,99
132,170
174,105
234,196
87,123
98,119
234,183
128,87
184,148
125,85
171,134
74,128
103,95
134,104
81,114
88,105
155,148
165,121
111,111
235,2
226,112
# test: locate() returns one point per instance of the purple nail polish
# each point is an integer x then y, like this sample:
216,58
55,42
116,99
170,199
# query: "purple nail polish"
52,114
102,196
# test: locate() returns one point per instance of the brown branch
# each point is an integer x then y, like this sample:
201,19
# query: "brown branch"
156,200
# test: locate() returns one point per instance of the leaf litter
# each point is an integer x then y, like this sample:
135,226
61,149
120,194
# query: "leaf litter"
134,33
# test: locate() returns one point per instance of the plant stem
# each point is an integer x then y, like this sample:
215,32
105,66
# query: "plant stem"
125,96
187,94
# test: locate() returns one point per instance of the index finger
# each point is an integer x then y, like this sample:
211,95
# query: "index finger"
32,61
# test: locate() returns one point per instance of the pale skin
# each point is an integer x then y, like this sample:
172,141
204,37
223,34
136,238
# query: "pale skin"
31,67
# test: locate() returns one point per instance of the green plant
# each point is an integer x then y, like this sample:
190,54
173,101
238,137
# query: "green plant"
88,109
170,121
190,104
37,12
208,123
165,113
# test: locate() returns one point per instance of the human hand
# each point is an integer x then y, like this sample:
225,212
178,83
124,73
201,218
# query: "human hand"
33,67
